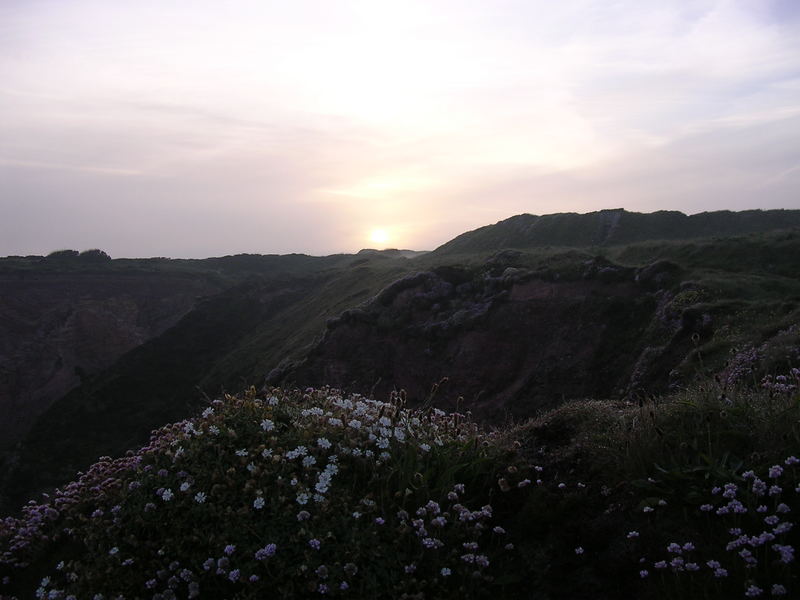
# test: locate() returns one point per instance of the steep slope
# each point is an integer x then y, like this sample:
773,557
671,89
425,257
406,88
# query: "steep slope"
58,328
68,316
227,341
508,340
516,332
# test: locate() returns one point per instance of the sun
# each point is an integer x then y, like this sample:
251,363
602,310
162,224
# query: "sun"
379,236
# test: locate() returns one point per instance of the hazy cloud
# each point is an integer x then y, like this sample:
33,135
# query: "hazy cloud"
181,129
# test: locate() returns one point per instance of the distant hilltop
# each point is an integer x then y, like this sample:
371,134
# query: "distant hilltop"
613,227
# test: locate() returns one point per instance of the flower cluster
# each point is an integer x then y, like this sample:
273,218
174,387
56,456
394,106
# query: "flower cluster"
299,493
756,553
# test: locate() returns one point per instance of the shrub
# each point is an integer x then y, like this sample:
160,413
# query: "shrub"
291,494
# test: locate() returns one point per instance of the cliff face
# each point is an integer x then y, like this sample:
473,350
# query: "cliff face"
509,341
59,328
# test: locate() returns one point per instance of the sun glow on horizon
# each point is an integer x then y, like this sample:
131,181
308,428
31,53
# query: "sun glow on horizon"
379,236
323,127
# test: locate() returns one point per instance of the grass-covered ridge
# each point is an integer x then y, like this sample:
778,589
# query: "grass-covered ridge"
314,494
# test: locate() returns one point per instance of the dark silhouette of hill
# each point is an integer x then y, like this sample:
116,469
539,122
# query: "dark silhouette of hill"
615,227
269,309
67,316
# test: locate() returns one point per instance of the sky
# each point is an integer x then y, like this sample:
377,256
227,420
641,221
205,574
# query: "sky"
203,128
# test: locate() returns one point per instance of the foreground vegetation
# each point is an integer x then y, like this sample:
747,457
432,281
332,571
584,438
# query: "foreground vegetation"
313,494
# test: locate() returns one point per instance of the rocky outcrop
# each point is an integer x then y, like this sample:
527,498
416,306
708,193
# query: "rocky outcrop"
502,340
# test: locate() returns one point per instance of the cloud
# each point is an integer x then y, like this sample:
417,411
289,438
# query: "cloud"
731,168
32,164
152,128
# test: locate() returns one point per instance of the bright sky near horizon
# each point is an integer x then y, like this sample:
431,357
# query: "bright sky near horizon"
194,128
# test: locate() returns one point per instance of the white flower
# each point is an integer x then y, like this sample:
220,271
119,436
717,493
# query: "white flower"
258,503
445,572
167,495
200,497
323,443
267,425
299,451
424,447
241,452
208,412
185,486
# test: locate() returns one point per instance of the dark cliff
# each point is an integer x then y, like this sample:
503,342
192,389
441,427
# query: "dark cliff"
503,340
60,328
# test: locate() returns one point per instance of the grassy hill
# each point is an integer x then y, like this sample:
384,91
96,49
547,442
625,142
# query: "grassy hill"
615,227
619,322
462,448
519,338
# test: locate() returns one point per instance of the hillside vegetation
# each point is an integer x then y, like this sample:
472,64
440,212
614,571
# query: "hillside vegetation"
550,407
616,227
596,321
316,494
